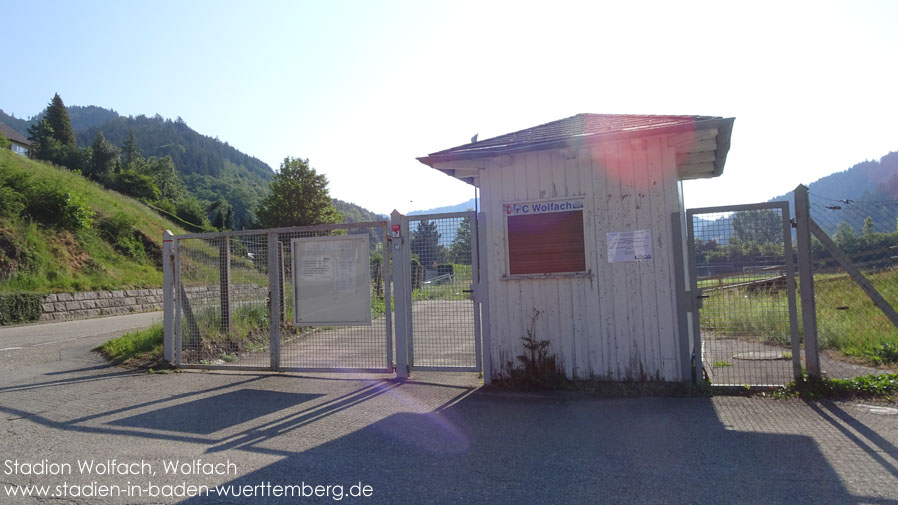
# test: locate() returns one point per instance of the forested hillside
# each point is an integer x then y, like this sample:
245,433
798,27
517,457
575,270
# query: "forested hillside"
867,181
211,170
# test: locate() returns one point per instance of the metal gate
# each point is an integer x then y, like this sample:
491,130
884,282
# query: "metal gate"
744,322
229,301
437,294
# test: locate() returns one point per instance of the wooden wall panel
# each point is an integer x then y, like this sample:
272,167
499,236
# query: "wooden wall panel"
621,322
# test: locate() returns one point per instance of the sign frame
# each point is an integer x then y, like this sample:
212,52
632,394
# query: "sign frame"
331,282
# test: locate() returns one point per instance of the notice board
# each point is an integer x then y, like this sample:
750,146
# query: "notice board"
545,237
331,281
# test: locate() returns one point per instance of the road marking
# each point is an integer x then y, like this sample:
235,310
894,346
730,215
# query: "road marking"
41,344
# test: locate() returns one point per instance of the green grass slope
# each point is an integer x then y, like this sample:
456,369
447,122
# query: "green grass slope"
61,232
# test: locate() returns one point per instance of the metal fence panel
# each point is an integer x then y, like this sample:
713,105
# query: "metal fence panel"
857,338
743,269
444,335
222,292
355,347
225,284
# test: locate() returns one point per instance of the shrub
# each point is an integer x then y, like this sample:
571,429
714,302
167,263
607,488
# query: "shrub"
12,203
192,211
52,205
134,184
119,231
19,307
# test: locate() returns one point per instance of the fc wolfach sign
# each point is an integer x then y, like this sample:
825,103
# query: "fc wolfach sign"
529,208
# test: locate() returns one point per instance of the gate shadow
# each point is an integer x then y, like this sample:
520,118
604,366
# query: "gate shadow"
488,448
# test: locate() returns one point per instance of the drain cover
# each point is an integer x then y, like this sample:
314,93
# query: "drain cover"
760,355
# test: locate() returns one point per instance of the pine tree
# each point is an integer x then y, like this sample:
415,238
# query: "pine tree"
219,222
229,219
44,145
299,197
104,158
460,249
130,151
58,118
425,244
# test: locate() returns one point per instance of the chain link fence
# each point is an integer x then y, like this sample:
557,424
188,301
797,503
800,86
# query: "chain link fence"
743,268
855,337
223,295
442,274
346,346
224,289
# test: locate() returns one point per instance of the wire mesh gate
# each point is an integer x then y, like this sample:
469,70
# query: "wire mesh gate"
742,272
443,275
234,300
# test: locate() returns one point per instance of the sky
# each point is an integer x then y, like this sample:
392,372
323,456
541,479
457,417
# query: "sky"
362,88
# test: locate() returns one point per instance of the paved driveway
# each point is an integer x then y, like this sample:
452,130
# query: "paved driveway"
434,439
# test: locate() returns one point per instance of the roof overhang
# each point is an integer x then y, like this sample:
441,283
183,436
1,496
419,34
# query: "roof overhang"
701,149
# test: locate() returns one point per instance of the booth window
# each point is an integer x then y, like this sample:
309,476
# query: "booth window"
546,243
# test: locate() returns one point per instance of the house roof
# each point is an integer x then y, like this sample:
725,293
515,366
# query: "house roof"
589,128
13,135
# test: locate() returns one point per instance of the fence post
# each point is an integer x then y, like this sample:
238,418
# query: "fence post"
484,297
274,300
168,301
224,281
806,280
402,295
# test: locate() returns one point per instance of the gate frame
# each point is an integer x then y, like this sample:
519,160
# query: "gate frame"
404,297
171,274
695,301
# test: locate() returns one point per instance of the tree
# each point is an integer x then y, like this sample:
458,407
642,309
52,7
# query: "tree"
165,176
425,244
867,230
4,142
44,145
299,197
58,119
104,158
229,219
759,226
460,248
130,151
845,238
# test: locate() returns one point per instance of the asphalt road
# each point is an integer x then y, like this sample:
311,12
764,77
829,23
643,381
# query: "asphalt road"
434,439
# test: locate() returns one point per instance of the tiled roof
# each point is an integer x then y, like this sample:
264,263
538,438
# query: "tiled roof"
13,135
579,127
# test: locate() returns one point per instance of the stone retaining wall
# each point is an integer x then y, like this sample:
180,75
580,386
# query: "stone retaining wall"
67,306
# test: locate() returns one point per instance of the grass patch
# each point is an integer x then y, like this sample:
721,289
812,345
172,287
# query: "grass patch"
114,243
722,363
140,349
870,386
847,320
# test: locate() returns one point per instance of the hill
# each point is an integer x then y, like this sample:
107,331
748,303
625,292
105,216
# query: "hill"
867,181
61,232
211,169
469,205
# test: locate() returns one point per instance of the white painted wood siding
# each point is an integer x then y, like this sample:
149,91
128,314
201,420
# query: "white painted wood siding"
621,322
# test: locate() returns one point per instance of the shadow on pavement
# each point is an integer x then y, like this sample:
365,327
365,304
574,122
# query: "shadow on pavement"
877,445
215,413
488,448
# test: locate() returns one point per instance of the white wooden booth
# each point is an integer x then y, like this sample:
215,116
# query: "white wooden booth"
582,220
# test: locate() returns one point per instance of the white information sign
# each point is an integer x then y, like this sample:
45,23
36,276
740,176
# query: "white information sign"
330,281
629,246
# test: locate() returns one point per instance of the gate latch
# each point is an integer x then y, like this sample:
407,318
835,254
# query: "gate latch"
700,298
